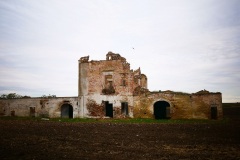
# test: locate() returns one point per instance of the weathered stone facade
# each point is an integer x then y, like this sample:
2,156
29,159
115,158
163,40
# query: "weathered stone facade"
118,91
40,107
109,88
110,84
179,105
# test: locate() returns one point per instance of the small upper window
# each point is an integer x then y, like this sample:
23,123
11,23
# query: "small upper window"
108,80
123,82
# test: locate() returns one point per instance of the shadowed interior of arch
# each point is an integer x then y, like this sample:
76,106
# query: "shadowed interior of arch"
161,110
66,111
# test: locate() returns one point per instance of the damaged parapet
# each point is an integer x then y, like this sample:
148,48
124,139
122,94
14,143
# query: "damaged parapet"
84,59
140,79
114,56
140,91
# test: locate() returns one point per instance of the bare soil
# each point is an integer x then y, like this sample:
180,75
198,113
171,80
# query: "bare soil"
29,139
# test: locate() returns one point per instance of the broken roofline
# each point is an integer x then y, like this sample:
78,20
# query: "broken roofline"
110,56
185,93
116,56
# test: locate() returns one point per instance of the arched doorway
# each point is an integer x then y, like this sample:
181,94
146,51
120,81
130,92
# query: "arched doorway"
161,110
66,111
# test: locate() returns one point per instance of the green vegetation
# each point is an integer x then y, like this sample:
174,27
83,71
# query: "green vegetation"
49,96
12,96
110,120
226,106
15,95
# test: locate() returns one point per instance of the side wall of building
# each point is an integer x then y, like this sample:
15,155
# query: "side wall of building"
38,107
182,106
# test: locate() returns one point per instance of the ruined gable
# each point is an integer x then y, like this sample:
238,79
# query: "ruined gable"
111,76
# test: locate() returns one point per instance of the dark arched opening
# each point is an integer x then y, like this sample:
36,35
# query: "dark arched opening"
66,111
161,110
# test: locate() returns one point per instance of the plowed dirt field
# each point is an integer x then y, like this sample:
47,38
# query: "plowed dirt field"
30,139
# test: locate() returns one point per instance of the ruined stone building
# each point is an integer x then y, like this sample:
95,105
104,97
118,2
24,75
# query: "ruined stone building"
110,88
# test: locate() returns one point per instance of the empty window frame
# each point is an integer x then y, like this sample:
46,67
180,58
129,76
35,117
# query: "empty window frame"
108,80
124,108
124,82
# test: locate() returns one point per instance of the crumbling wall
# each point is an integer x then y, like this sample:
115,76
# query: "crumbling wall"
92,105
182,105
105,80
38,107
98,74
109,77
94,109
142,107
143,81
202,104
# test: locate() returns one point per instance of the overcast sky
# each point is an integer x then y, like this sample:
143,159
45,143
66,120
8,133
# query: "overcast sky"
181,45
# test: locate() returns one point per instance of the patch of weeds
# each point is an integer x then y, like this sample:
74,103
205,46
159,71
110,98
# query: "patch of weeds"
125,120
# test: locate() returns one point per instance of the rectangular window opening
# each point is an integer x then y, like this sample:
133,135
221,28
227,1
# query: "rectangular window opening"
108,109
123,82
32,111
108,79
214,112
108,82
124,108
